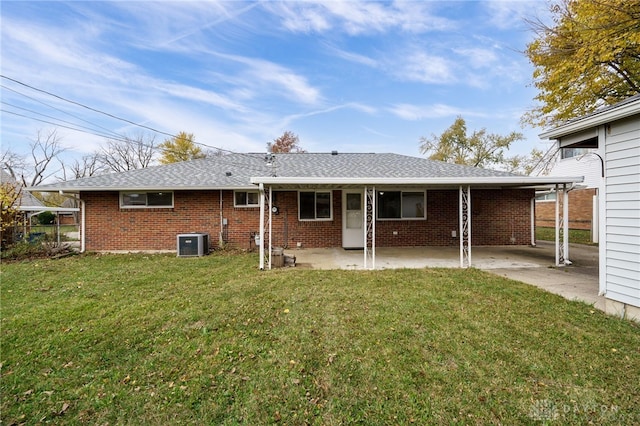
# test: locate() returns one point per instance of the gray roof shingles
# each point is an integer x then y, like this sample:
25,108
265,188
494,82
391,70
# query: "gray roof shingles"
236,170
26,198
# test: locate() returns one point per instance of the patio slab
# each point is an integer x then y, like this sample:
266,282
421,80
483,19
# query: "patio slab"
531,265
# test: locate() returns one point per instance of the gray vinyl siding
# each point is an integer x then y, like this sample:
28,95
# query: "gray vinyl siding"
622,150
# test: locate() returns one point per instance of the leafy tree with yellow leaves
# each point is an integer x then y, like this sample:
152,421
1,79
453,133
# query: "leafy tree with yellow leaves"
478,149
589,57
181,147
9,198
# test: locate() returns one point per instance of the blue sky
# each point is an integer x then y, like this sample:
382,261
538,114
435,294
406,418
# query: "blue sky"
347,76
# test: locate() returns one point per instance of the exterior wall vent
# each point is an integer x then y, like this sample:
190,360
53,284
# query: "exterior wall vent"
195,244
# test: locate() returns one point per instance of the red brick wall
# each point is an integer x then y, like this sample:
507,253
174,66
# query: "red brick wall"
497,217
580,210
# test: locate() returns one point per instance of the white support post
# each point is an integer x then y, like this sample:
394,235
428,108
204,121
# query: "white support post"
557,227
261,237
533,221
565,229
464,208
370,228
269,205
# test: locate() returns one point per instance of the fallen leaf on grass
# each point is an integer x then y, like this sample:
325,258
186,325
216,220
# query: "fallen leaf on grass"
65,407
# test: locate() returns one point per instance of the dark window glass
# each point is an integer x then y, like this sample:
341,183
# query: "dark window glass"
389,204
307,205
160,199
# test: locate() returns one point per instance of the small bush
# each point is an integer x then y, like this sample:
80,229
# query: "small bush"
23,250
46,218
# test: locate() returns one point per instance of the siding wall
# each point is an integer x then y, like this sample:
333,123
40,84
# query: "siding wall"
622,226
499,217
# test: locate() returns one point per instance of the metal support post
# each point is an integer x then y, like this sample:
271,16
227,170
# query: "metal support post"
465,226
370,228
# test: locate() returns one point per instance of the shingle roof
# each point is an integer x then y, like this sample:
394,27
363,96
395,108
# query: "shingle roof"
234,171
26,199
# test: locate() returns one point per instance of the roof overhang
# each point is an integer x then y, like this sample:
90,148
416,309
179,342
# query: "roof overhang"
595,119
503,181
48,209
76,190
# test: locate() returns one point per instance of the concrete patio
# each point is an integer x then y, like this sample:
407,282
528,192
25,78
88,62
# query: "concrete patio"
531,265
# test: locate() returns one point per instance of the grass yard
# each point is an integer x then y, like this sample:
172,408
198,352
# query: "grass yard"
142,339
577,236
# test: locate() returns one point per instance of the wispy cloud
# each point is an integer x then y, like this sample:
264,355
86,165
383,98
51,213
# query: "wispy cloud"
421,112
425,68
290,119
509,14
355,58
357,17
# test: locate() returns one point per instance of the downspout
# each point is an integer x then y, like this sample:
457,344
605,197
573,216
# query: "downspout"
82,219
221,236
261,191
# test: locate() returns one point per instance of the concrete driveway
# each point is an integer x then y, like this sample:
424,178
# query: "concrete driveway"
531,265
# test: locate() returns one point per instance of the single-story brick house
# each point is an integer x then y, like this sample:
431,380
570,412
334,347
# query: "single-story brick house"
307,200
612,134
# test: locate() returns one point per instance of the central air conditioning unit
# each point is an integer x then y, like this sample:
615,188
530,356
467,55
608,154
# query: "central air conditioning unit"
195,244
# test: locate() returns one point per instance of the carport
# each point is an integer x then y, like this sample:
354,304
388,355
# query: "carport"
464,185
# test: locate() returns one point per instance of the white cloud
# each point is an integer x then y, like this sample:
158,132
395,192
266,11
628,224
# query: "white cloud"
357,17
351,105
424,68
264,76
510,14
353,57
421,112
478,57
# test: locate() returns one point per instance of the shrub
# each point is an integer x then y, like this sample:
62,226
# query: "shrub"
46,218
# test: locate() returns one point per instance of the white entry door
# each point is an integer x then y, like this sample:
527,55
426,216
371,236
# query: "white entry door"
352,219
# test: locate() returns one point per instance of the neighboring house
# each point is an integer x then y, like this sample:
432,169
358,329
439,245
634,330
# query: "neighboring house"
613,133
308,200
583,200
26,198
24,201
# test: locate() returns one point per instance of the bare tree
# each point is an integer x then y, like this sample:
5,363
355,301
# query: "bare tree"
128,153
13,163
88,165
44,150
44,155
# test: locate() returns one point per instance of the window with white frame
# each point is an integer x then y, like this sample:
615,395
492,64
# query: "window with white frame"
246,199
315,205
548,196
146,199
405,205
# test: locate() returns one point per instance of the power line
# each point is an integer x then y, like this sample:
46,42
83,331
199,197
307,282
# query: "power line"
58,109
59,120
111,115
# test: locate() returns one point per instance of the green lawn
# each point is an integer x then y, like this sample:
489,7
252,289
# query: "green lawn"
578,236
142,339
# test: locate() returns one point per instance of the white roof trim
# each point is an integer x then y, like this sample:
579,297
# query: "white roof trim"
474,181
48,209
119,188
593,120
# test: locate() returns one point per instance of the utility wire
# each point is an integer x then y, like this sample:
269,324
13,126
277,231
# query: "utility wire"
58,109
111,115
61,121
138,142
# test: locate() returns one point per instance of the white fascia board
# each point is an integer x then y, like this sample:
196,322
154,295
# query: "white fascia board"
48,209
593,120
76,190
474,181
